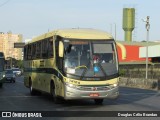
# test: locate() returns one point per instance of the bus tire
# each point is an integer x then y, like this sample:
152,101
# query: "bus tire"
32,91
53,94
98,101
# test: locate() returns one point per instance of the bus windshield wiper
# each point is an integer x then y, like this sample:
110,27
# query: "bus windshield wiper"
102,69
84,71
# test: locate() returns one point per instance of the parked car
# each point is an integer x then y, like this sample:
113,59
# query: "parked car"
9,75
17,71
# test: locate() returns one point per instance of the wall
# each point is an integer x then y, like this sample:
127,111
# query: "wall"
132,53
133,75
140,83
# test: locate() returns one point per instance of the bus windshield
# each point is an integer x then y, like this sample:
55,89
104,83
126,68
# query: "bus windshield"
90,60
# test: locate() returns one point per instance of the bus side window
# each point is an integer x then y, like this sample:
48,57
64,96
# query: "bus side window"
29,52
38,49
50,48
44,48
33,51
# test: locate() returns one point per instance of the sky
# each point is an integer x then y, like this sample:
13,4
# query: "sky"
35,17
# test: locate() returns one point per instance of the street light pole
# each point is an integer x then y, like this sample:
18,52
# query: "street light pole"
115,30
147,38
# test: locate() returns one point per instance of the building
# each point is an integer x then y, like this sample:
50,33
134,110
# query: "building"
153,52
135,52
7,45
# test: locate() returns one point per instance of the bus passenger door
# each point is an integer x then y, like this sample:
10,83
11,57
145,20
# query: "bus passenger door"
57,85
59,65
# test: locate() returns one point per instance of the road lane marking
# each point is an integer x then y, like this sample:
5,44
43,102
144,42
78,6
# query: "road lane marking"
138,93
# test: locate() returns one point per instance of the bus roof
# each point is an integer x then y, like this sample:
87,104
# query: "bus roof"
76,33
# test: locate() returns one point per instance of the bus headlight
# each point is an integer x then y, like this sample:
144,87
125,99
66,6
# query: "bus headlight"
3,75
70,85
115,85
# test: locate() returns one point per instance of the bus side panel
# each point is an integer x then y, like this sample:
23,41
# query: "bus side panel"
35,77
43,80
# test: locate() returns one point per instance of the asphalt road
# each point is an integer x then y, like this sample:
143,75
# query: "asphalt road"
16,97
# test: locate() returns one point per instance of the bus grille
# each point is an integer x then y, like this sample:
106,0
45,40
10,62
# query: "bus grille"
100,88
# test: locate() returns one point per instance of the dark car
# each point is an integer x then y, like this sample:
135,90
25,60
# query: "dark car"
10,76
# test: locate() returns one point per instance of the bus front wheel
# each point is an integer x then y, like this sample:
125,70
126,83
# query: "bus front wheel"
53,94
98,101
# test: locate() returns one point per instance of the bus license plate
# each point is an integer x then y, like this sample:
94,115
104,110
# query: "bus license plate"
94,94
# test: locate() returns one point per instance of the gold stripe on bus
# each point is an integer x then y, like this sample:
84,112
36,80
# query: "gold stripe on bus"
123,49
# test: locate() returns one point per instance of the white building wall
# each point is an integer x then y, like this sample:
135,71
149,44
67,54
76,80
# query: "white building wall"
153,51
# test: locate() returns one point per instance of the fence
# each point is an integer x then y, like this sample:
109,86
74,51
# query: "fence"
139,71
133,75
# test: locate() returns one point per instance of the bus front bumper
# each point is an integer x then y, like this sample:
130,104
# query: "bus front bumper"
72,93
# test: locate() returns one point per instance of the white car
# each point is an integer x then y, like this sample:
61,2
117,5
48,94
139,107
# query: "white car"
17,71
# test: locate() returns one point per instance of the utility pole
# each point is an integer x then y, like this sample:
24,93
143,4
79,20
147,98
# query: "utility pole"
115,31
147,39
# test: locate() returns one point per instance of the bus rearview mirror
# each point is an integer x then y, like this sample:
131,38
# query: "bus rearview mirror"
61,49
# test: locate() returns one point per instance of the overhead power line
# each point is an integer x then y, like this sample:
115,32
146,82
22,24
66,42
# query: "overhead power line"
4,3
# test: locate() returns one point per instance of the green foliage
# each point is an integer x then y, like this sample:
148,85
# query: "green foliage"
122,72
19,64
